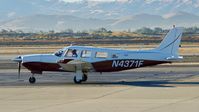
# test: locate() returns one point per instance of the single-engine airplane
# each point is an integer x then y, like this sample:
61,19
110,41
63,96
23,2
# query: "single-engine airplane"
83,59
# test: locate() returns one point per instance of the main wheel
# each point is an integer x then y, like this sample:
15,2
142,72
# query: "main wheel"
32,80
84,78
77,81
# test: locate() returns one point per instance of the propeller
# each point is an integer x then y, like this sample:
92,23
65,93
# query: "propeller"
19,60
19,70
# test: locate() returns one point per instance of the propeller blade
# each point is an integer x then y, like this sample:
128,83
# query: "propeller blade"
19,70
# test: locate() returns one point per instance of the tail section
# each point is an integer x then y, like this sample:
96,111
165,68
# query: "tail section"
170,44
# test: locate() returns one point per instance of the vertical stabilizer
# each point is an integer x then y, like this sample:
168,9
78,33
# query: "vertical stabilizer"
170,44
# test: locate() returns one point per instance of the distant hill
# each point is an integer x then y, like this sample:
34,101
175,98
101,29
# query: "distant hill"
53,22
63,22
35,15
181,19
95,9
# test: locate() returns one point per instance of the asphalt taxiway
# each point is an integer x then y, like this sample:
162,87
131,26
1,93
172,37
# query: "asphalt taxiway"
153,89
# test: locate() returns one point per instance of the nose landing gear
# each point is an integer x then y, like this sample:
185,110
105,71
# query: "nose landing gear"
32,79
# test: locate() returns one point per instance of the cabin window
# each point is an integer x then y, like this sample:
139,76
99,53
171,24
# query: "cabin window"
72,53
86,54
101,55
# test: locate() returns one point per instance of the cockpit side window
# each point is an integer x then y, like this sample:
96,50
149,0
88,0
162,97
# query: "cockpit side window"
72,53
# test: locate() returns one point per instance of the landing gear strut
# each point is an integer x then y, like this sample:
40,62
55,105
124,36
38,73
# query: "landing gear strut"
32,79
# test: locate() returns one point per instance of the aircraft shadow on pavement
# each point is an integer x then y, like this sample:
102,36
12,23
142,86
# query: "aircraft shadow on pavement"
153,83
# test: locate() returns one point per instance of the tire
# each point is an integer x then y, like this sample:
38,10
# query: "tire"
77,81
85,77
32,80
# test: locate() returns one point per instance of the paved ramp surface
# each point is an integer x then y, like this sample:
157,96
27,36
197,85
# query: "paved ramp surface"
159,89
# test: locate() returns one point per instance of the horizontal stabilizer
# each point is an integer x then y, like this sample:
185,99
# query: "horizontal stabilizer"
174,58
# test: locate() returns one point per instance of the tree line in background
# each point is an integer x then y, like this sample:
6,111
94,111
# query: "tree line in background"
99,33
158,30
54,35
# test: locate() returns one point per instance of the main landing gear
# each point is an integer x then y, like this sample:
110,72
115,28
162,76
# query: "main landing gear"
79,79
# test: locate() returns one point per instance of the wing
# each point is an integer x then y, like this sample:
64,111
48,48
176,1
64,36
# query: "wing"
73,65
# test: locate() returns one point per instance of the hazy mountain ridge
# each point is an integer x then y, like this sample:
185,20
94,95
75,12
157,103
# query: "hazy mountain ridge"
93,9
53,22
115,15
63,22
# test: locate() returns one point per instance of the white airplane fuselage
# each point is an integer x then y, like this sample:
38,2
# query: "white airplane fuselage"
116,60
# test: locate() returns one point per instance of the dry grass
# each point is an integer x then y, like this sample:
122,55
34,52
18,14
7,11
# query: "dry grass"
28,50
126,34
190,51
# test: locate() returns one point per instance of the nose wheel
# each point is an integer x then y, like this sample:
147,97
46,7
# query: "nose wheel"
32,80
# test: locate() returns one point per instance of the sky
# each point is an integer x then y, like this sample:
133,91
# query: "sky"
80,0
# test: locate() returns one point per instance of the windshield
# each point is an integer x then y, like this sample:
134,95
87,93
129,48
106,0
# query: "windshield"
72,53
59,53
